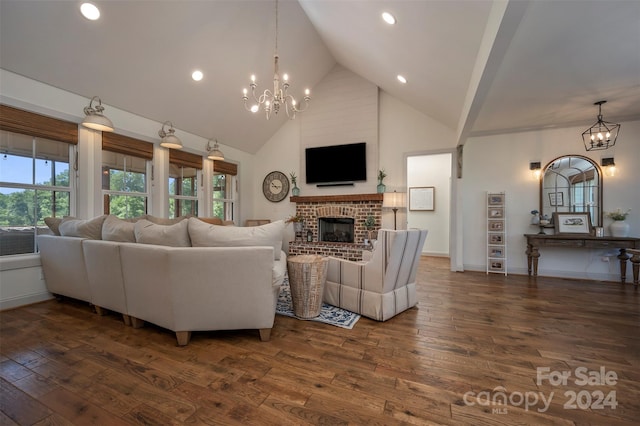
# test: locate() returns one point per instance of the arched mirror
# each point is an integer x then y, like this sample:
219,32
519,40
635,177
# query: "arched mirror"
572,184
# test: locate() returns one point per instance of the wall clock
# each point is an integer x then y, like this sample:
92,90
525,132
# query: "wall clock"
275,186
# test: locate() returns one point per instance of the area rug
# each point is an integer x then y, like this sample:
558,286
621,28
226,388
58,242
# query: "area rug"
329,314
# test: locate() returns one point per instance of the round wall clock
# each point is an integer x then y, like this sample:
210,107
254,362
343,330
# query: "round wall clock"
275,186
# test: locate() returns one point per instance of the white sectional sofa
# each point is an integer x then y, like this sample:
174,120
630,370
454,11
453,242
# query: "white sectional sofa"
227,279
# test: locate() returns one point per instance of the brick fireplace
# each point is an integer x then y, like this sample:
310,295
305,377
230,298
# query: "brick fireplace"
339,209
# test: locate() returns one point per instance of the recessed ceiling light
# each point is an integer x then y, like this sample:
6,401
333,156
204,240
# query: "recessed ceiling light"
401,79
197,75
90,11
388,18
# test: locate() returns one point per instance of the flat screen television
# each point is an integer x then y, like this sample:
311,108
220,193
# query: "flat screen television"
336,164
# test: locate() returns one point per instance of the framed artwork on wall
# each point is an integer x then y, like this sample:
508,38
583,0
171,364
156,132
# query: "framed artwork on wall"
422,198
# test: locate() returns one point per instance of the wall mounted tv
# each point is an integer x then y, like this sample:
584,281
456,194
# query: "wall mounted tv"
336,164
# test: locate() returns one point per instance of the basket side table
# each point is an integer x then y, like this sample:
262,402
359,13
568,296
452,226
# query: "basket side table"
307,277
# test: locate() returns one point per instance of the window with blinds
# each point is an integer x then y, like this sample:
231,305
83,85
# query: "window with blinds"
125,187
184,174
223,195
35,177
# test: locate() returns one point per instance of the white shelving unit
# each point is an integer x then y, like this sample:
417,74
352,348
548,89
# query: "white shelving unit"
496,232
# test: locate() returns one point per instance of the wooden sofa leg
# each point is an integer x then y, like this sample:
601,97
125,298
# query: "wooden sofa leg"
183,337
127,319
265,334
100,311
136,322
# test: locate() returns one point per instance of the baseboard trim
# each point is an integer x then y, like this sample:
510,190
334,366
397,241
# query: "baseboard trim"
24,300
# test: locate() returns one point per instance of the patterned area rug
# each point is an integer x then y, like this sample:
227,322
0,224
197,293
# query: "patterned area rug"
329,314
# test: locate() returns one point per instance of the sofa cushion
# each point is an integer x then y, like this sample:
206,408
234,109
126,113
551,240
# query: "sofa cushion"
205,235
164,221
54,224
90,228
116,229
176,235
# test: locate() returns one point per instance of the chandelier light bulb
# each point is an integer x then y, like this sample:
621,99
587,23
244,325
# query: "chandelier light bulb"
253,78
285,77
244,91
254,108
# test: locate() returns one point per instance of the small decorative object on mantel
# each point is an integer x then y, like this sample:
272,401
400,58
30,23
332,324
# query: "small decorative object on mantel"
294,181
535,217
381,187
619,227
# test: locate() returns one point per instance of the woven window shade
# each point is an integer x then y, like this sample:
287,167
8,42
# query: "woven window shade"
128,146
185,159
225,167
32,124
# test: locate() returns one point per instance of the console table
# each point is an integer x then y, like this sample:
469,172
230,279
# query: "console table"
535,241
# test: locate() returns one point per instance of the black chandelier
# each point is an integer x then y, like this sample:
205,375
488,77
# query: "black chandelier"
601,135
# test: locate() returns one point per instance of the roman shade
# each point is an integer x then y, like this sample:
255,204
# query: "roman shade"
32,124
126,145
225,167
185,159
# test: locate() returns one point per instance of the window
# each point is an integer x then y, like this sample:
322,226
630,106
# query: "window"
34,184
224,177
125,187
184,175
183,194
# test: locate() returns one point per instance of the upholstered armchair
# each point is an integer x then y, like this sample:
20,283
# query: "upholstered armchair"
382,286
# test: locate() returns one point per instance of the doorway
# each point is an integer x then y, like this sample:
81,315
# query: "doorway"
432,172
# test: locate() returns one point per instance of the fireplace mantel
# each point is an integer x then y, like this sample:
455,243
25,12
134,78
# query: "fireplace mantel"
336,198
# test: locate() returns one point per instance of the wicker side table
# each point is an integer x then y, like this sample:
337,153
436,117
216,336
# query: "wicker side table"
307,276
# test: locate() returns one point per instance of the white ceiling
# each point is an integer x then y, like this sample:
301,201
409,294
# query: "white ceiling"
539,64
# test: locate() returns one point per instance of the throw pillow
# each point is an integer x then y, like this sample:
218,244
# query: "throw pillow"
205,235
90,228
54,224
176,235
120,230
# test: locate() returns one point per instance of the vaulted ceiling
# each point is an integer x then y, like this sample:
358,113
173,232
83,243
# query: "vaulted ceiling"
478,66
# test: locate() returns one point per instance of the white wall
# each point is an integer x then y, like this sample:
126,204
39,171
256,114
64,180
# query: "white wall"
502,163
432,170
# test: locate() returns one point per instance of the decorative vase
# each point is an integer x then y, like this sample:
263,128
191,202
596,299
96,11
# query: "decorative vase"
295,191
535,219
381,188
619,228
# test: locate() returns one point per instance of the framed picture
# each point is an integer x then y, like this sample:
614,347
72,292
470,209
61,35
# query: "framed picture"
495,199
422,198
497,238
496,251
496,225
496,265
572,223
556,199
496,213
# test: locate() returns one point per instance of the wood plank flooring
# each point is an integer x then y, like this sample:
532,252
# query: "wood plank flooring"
473,339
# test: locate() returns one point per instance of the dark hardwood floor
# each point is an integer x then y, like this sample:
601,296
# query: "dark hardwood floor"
473,340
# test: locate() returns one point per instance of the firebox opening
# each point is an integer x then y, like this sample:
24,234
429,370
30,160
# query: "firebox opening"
336,229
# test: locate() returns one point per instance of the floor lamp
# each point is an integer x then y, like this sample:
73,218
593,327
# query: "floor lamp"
394,201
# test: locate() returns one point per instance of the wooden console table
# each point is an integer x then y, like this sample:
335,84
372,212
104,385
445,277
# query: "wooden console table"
535,241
